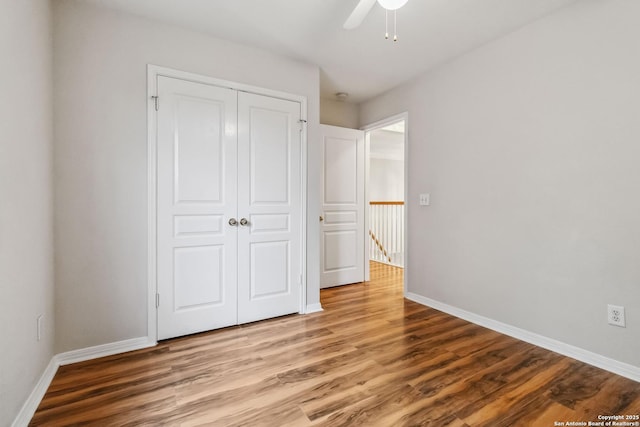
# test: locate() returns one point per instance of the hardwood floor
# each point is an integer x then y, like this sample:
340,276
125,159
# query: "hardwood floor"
371,358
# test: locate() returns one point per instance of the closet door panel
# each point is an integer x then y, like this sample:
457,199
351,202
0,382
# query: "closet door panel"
269,156
269,199
196,196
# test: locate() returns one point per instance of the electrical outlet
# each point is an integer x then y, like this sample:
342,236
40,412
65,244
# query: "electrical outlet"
615,315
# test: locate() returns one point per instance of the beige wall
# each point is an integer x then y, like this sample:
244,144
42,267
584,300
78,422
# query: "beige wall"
529,148
337,113
26,267
101,159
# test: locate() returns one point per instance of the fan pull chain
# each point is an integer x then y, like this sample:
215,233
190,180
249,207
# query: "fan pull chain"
386,24
395,33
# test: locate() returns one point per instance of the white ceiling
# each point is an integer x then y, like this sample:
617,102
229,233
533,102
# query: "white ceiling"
360,62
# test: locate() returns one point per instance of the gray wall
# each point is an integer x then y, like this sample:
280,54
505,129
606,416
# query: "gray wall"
386,165
101,157
386,180
26,262
529,147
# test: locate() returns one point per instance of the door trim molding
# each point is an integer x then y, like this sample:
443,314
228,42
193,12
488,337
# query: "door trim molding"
155,71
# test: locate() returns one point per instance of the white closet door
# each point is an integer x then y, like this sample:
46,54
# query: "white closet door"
342,256
269,199
197,248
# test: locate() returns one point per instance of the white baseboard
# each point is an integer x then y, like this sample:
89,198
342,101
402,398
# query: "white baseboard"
313,308
29,408
34,399
624,369
103,350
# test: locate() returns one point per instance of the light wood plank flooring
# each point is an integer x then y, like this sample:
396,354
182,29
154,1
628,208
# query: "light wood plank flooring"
371,359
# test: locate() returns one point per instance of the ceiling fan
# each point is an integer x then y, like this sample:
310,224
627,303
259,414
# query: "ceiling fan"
364,6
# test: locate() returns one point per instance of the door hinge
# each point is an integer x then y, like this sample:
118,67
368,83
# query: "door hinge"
300,280
157,300
156,102
302,122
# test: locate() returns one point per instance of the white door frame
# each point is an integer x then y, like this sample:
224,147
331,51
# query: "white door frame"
367,143
153,71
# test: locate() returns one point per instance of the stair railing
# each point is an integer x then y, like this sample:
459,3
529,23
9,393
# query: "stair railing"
386,229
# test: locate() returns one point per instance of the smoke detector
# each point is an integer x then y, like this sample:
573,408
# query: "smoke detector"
342,96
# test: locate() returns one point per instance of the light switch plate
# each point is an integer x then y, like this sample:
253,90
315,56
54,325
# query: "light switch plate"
424,199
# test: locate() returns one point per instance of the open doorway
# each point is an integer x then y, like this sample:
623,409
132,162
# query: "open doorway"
386,187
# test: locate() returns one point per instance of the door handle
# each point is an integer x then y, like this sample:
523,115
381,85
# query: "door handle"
244,221
233,222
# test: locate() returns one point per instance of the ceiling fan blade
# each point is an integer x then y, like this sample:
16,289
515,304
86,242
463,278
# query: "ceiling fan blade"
359,13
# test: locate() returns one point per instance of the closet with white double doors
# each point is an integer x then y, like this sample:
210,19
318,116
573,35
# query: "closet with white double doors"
229,206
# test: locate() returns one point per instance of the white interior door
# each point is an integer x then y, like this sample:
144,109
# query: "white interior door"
269,200
343,202
196,197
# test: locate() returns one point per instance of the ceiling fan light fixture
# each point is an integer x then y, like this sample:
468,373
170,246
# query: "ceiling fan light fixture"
392,4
